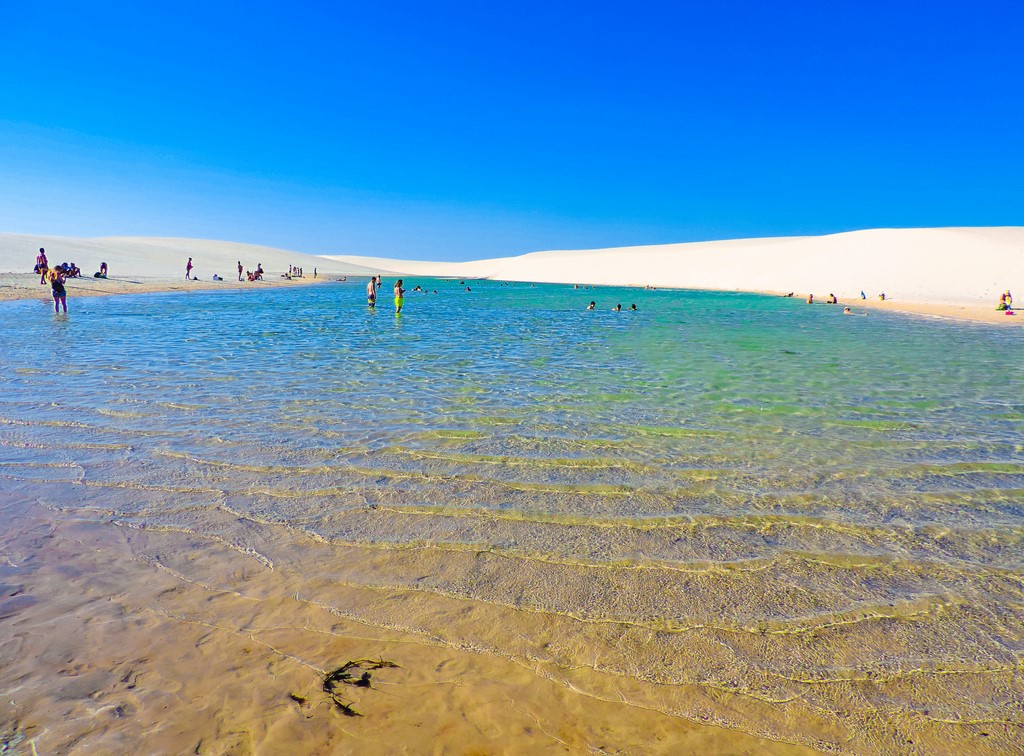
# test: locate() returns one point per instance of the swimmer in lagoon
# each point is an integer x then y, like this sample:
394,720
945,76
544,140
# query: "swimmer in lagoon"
592,305
810,299
632,307
617,308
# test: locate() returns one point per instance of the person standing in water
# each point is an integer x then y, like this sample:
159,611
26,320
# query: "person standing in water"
60,295
371,292
188,269
399,296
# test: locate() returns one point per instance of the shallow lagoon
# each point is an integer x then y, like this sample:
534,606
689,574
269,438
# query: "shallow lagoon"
728,508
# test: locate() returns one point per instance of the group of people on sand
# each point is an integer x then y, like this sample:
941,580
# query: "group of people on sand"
833,299
42,267
58,275
1006,302
243,275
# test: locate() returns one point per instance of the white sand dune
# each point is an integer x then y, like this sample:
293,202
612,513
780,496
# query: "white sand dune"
156,257
942,266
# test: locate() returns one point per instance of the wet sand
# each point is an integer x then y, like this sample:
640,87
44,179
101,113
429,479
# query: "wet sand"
141,640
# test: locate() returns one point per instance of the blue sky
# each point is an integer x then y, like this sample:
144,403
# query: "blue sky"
464,130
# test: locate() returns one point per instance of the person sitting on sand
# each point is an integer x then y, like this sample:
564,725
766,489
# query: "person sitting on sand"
831,299
60,295
881,297
74,271
592,305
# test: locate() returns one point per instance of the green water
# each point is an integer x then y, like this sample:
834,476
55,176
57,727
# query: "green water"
731,508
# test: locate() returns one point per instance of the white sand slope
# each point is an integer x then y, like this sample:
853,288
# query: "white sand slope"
969,266
153,257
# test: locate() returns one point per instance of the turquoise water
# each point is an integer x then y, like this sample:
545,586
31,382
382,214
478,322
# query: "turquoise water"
733,508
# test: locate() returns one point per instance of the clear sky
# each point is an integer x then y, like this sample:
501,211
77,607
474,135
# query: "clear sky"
440,130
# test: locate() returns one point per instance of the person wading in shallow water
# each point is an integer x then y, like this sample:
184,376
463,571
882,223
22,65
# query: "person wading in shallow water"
399,296
60,296
371,292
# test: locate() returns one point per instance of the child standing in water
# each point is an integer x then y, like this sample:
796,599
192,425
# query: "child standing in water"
399,296
60,295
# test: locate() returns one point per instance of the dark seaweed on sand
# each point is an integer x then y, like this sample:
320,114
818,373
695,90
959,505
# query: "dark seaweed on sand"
346,674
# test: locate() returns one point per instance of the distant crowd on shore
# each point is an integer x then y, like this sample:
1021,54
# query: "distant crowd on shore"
833,299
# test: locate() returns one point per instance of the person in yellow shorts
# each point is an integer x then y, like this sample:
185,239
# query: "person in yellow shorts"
399,296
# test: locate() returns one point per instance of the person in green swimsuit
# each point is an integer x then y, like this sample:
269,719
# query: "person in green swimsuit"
399,296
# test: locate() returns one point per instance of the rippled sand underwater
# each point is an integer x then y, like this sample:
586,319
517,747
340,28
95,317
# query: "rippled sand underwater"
732,509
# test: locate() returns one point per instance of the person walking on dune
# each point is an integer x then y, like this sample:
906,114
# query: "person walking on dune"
239,270
188,269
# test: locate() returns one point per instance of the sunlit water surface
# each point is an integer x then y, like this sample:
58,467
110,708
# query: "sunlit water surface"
731,508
